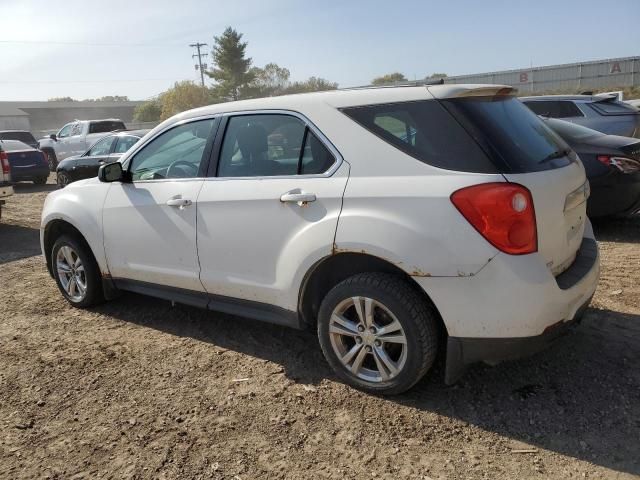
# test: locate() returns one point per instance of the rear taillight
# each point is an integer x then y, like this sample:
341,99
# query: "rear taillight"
503,214
4,160
623,164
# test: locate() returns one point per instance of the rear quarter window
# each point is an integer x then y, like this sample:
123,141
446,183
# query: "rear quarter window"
426,131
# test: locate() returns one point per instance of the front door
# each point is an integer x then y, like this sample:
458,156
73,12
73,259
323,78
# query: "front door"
271,210
149,223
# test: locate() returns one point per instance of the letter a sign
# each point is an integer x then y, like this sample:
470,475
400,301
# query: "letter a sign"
615,68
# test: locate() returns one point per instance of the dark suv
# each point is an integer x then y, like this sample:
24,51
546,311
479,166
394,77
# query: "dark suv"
604,113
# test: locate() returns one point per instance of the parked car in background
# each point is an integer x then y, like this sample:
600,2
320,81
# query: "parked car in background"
108,149
23,136
634,103
604,113
312,211
26,163
76,137
612,164
6,190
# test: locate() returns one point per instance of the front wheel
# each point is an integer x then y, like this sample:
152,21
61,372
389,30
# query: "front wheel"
52,160
76,272
378,333
63,179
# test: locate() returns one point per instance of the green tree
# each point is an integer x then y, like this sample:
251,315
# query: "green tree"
312,84
183,96
436,76
232,69
62,99
389,79
148,111
271,80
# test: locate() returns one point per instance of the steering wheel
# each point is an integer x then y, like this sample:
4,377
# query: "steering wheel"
174,170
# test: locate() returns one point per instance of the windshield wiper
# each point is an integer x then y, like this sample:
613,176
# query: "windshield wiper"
556,154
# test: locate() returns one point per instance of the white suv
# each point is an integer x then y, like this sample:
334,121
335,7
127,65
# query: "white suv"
396,221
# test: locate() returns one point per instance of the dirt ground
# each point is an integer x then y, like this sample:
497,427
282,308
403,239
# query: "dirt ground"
138,389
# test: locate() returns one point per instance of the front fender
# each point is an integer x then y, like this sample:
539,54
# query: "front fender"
80,205
46,143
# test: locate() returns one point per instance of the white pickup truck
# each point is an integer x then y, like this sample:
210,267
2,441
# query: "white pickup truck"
6,189
76,137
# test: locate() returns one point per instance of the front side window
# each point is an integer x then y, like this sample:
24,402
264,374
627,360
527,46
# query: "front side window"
125,143
176,153
65,131
267,145
103,147
76,130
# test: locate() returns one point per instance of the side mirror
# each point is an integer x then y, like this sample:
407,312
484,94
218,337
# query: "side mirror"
111,172
53,137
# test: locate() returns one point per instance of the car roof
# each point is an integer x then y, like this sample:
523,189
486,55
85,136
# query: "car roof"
132,133
343,98
15,131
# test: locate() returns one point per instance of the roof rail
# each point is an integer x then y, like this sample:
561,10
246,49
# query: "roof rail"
408,83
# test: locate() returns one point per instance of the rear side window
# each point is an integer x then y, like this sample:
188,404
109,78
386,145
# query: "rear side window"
426,131
614,108
125,143
25,137
515,138
555,109
106,126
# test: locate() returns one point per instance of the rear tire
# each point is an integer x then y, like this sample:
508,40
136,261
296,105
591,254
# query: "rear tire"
40,180
76,272
52,160
386,351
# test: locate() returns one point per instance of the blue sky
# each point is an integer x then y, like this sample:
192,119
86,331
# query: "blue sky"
93,48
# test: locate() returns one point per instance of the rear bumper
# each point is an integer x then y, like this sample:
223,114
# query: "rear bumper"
29,173
614,194
513,307
462,352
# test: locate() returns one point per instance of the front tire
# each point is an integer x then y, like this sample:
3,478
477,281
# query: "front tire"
378,333
63,179
76,272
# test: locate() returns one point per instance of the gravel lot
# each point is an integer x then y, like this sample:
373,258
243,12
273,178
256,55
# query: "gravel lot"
138,389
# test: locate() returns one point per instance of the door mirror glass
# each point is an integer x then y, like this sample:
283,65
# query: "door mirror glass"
111,172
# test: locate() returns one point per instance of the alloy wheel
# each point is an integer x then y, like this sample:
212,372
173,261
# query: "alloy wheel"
368,339
71,273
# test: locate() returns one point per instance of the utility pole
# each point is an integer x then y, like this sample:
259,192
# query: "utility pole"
200,66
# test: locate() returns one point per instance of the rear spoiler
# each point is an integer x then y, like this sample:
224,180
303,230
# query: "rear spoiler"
465,91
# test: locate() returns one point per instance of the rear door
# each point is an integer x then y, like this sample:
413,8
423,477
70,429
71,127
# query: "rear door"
528,152
271,206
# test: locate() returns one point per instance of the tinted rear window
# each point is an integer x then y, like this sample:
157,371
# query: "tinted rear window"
570,131
513,136
14,146
554,108
104,127
25,137
426,131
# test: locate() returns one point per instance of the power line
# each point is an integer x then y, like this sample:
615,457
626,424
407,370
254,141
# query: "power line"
200,65
86,44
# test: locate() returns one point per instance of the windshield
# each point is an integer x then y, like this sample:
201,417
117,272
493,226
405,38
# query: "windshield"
570,131
515,138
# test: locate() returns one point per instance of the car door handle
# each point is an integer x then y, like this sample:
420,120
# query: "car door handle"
179,202
298,197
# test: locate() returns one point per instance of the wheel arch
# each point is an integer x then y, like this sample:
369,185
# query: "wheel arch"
53,230
331,270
